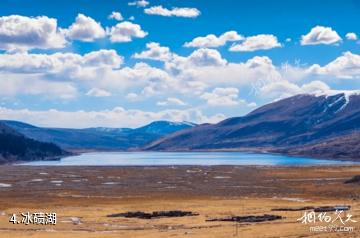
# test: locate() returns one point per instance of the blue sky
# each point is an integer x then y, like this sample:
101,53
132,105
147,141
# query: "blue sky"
71,60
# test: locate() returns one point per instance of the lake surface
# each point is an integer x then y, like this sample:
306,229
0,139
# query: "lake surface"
183,158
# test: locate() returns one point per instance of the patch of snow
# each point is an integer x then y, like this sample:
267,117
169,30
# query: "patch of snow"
37,180
170,187
73,220
295,199
5,185
346,95
109,183
56,181
193,171
329,93
222,177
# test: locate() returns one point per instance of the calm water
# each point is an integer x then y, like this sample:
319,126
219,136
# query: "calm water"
182,158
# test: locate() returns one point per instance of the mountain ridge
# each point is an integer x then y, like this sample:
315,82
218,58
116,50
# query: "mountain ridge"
99,138
16,147
284,126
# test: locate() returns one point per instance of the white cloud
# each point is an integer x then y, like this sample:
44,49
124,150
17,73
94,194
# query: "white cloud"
252,104
15,84
97,92
346,66
174,12
132,97
155,52
252,73
175,64
141,77
283,89
116,15
125,31
222,97
258,42
140,3
206,57
351,36
58,62
212,40
205,67
55,75
191,75
320,35
85,29
171,101
116,117
25,33
103,58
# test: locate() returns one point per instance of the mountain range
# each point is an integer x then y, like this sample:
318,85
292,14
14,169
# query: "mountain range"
99,138
320,126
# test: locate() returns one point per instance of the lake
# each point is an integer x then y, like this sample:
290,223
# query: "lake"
183,158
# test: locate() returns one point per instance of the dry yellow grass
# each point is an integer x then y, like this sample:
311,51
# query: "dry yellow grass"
209,191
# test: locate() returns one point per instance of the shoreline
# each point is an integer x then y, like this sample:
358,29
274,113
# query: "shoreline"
336,162
267,151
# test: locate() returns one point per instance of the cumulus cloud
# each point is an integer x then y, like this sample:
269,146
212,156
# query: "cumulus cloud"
351,36
171,101
283,89
25,33
85,29
97,92
116,15
206,57
222,97
174,63
116,117
155,52
54,75
202,74
174,12
258,42
146,79
346,66
252,73
103,58
15,84
58,62
320,35
140,3
212,40
125,31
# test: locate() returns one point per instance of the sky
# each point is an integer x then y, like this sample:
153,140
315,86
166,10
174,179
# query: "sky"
125,63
